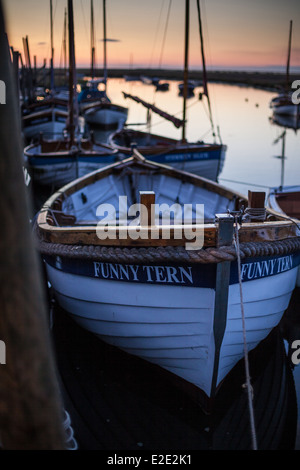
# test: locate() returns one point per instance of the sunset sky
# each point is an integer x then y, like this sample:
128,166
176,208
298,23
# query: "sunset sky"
237,33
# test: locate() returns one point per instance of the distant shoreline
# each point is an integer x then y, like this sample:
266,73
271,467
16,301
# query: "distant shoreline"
272,81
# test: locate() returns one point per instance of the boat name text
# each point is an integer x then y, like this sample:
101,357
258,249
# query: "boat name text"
140,273
266,268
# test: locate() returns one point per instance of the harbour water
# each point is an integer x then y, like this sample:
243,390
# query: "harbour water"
253,162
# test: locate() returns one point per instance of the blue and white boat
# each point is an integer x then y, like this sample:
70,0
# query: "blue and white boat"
57,161
148,287
201,158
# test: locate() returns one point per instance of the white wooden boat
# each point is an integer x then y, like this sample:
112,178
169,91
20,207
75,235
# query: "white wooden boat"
95,106
50,122
282,104
286,201
143,289
104,114
202,158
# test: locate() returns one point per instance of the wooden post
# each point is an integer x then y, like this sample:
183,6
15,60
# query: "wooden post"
225,237
147,212
31,411
256,200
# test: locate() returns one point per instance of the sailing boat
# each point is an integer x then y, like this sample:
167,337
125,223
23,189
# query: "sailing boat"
201,158
285,200
95,105
282,103
48,116
58,161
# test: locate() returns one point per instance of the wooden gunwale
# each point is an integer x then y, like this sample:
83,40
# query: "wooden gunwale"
160,147
267,231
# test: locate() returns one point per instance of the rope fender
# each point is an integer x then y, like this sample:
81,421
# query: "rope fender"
166,254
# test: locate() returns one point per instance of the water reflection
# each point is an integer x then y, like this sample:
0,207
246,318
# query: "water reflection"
123,401
241,117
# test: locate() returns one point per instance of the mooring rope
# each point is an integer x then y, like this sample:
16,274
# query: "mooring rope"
246,358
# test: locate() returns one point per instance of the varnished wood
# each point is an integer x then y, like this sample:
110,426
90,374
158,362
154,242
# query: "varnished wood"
256,199
147,208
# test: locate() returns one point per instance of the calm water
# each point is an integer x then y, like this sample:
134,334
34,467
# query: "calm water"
242,118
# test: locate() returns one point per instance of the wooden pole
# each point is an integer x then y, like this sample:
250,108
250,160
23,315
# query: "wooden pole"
30,405
256,200
225,238
147,212
52,49
289,58
92,41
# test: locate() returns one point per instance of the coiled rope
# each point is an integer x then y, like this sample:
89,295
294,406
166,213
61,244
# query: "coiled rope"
167,253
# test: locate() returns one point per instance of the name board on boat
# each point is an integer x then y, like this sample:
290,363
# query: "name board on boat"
194,275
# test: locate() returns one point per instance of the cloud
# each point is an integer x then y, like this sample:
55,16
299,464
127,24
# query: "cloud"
109,40
42,43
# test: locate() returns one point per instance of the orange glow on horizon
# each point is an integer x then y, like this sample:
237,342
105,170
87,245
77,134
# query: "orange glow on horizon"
247,34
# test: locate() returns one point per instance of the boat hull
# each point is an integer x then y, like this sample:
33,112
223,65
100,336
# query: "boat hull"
48,127
165,314
58,171
106,116
287,110
202,159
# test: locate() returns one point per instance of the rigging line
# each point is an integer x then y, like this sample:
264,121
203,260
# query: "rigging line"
165,33
204,68
247,183
84,22
246,359
156,32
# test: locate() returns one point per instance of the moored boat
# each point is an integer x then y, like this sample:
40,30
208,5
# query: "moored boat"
202,158
167,289
282,104
59,160
95,106
286,201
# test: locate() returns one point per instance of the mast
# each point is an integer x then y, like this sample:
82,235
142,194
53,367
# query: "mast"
52,49
185,75
104,45
65,44
288,58
205,88
92,41
73,111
